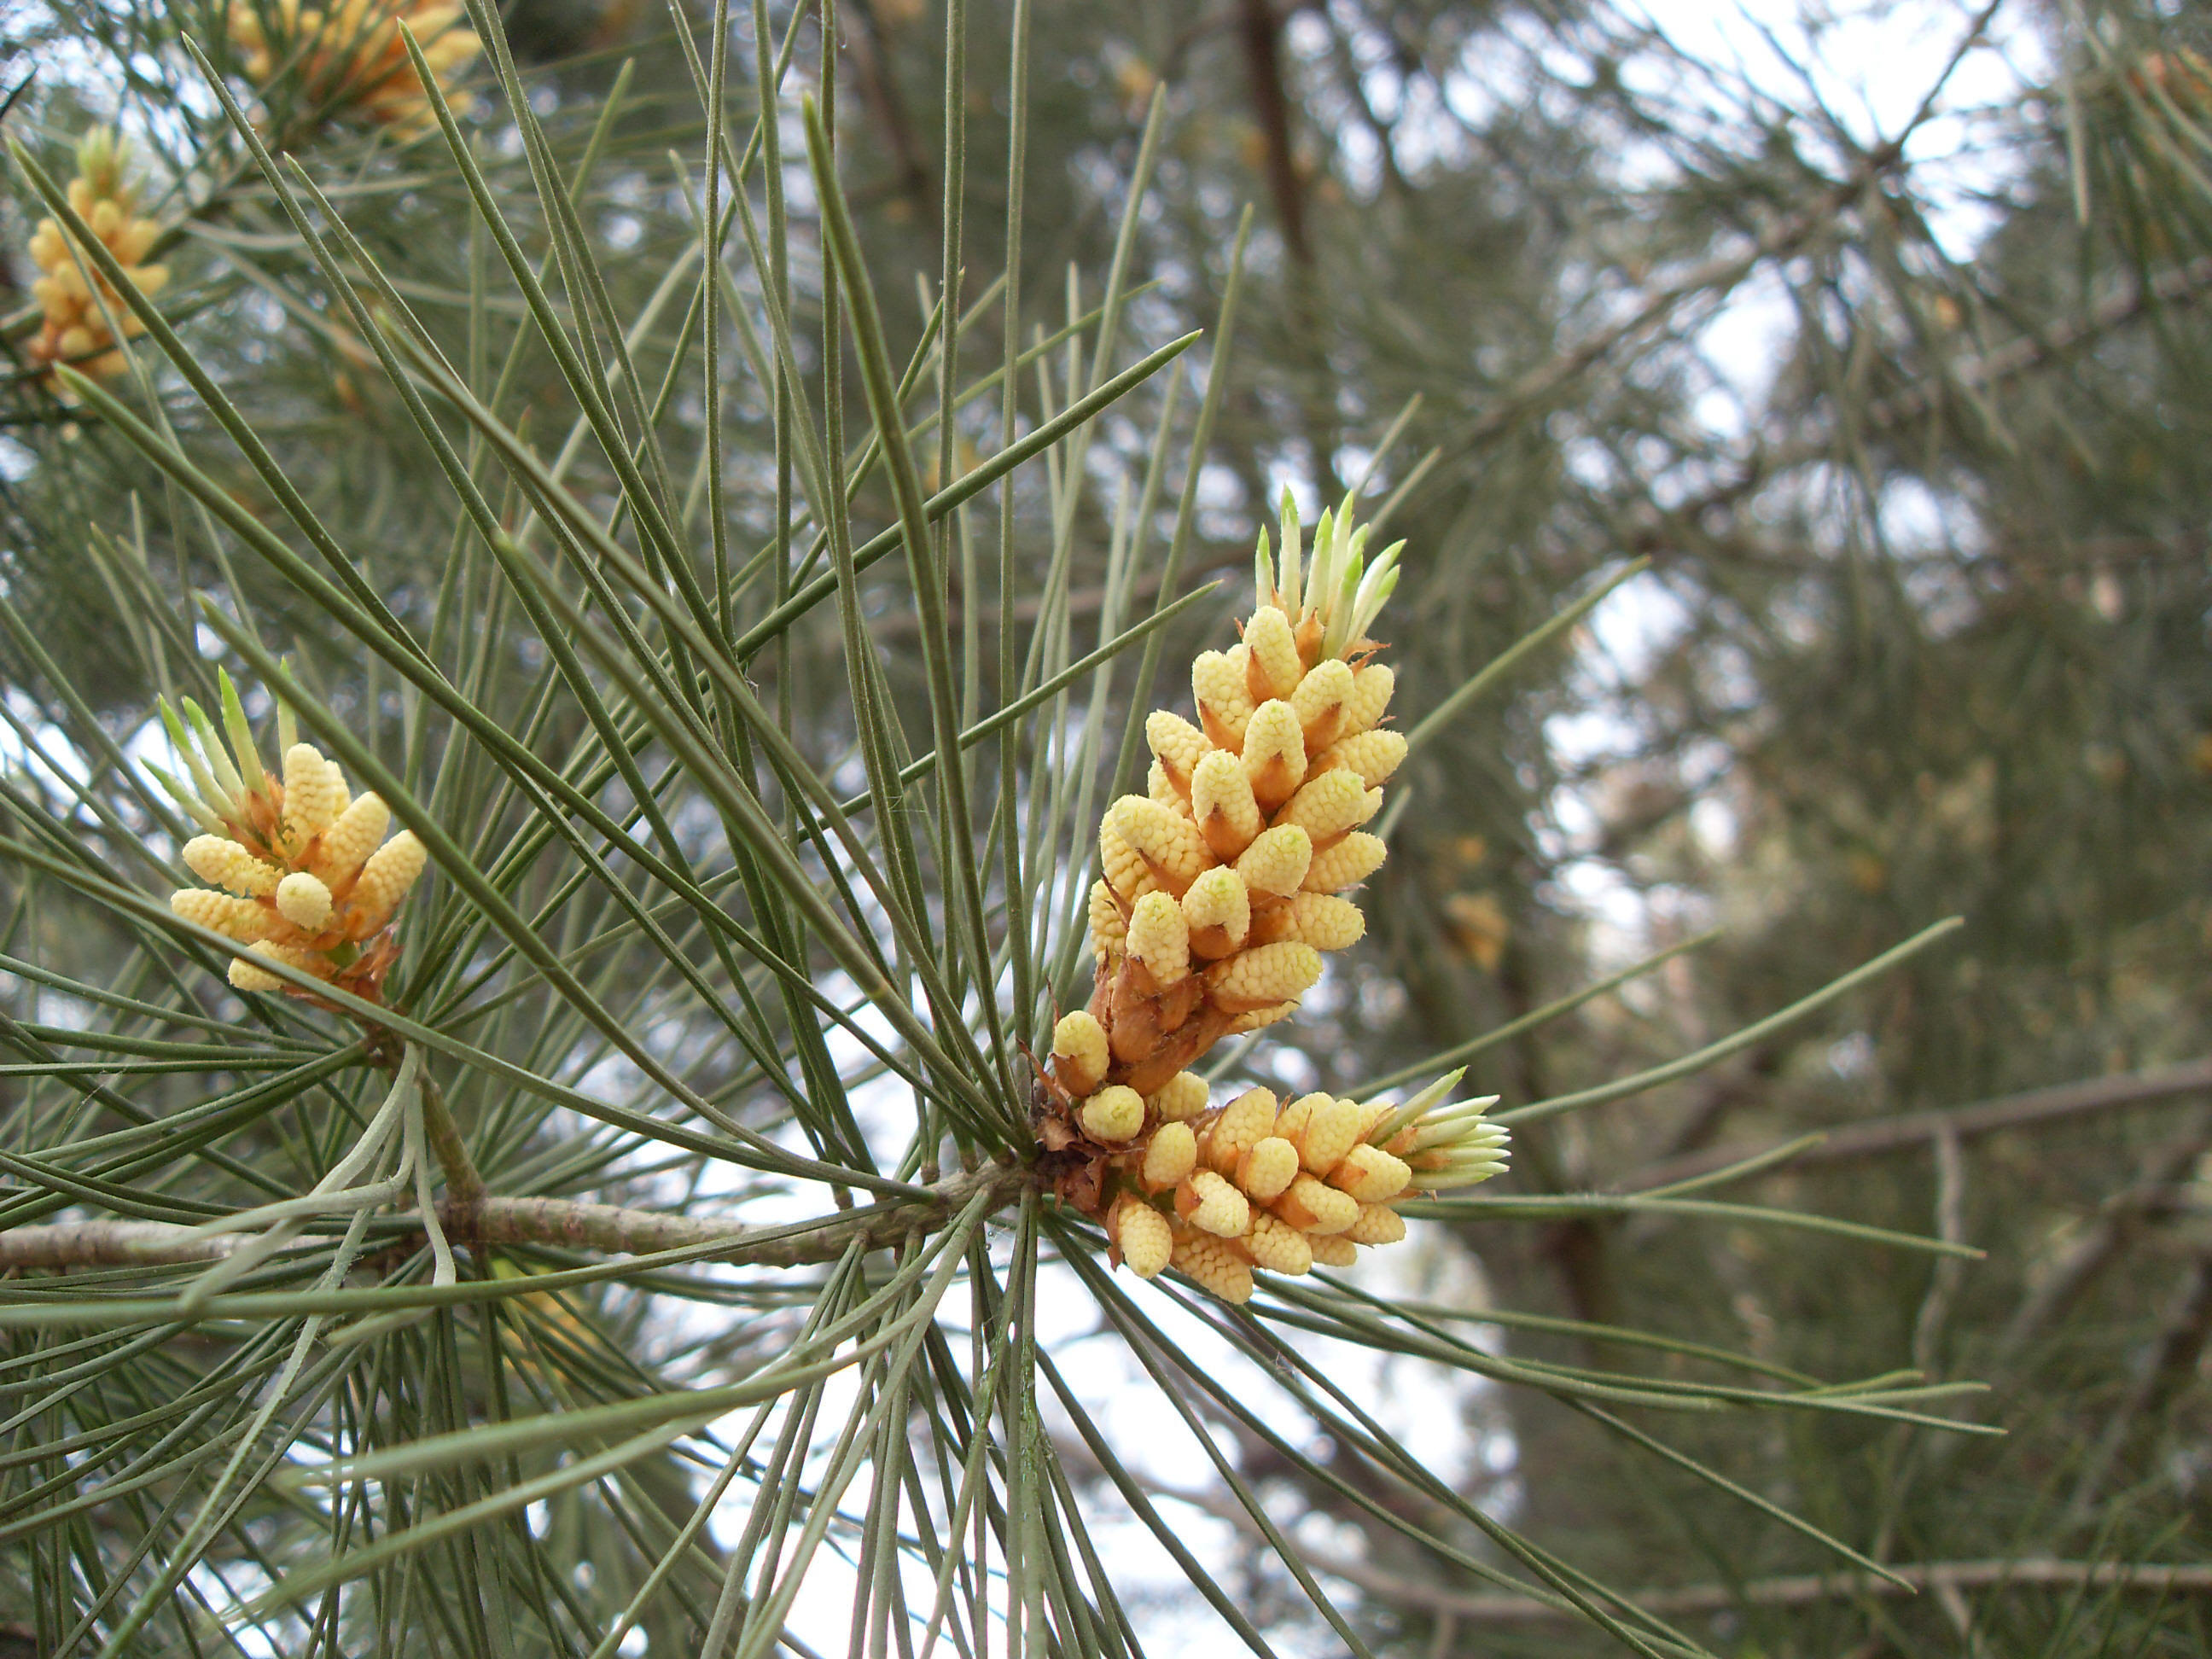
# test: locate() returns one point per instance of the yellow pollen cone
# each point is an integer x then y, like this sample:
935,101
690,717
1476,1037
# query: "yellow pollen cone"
1276,1246
1279,862
1214,1265
1144,1237
1115,1113
1348,863
1079,1054
1180,1098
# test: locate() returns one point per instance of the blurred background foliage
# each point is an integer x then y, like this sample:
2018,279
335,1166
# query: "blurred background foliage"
1889,357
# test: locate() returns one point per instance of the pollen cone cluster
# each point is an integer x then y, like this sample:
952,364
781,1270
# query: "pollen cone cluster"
1281,1186
1223,885
298,868
1225,882
76,329
351,58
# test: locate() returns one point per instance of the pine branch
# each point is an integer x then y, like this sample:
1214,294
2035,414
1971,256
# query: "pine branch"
2156,1578
607,1229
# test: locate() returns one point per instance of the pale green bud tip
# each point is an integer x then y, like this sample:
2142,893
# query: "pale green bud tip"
239,731
211,746
100,157
1419,1103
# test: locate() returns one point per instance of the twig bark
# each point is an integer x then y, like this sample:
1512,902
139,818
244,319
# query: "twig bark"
607,1229
66,1245
463,1183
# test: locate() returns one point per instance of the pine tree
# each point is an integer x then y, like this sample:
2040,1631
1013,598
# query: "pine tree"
691,1209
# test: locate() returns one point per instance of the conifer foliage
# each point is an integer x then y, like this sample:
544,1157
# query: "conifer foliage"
599,1102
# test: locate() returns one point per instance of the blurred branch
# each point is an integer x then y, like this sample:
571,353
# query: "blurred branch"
2164,1371
865,47
1797,1590
1909,1129
1712,278
2160,1190
2035,1572
2182,287
1261,30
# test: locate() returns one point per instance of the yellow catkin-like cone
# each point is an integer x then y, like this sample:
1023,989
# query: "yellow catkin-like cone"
1168,844
1272,668
314,794
1223,805
1214,1206
1214,1265
248,977
1370,1175
1275,866
1241,1126
1332,1249
1332,805
80,310
390,872
219,860
1321,919
1259,1018
300,856
1125,869
1108,929
1224,706
1262,976
1170,1156
1275,754
1319,703
1114,1114
1331,1128
1180,1098
1267,1168
1373,756
1348,863
350,59
1371,696
1078,1053
1375,1224
1177,745
240,919
1159,938
1143,1235
304,902
346,845
1218,911
1276,1246
1314,1208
